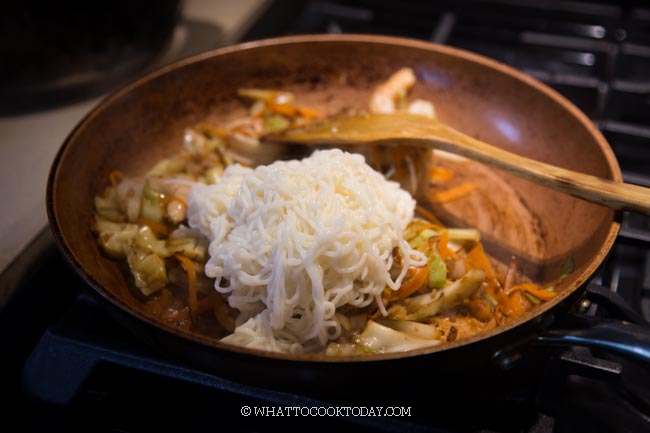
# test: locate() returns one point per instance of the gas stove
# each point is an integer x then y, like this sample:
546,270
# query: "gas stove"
72,367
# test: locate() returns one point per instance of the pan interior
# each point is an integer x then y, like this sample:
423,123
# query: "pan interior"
145,121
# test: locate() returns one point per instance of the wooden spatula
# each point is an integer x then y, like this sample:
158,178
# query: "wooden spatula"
420,131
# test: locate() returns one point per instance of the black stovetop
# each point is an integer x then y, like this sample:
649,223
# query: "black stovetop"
69,366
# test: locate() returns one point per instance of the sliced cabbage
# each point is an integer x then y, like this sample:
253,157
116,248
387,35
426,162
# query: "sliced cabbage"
189,243
382,339
437,271
415,329
148,270
128,195
353,323
242,144
430,304
107,208
464,235
420,240
345,349
116,239
146,241
152,204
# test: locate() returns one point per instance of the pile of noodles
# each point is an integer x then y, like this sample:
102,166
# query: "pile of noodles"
293,241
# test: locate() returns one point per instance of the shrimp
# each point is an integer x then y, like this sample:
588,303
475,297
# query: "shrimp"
422,108
177,192
385,96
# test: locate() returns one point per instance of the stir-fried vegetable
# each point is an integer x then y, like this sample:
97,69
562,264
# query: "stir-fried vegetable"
148,269
141,220
430,304
152,204
437,271
436,302
457,293
380,338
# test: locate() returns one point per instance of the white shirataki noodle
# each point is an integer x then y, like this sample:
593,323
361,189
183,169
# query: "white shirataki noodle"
293,241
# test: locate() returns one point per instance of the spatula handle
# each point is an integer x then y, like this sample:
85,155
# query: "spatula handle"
620,196
407,129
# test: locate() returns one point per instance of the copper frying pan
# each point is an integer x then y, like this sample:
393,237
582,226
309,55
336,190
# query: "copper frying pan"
144,122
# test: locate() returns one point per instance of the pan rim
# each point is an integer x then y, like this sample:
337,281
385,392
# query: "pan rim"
213,344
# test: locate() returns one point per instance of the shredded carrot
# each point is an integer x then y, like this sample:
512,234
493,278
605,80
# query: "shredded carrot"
188,266
116,177
477,259
519,302
168,199
309,112
454,193
161,229
534,290
443,248
416,282
498,317
440,174
285,109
